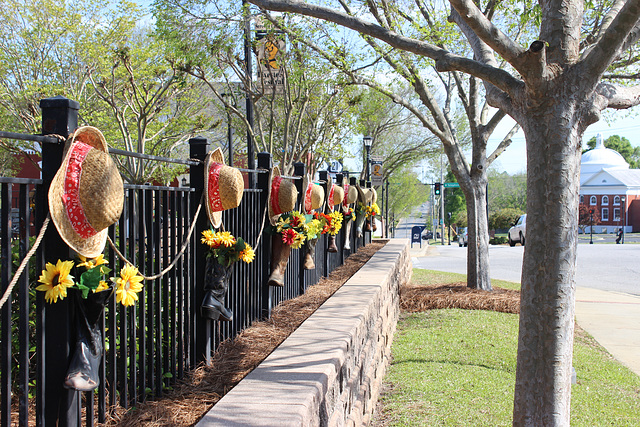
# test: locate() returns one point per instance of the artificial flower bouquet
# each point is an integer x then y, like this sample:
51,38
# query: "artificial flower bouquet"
226,248
293,229
57,279
330,223
372,210
349,214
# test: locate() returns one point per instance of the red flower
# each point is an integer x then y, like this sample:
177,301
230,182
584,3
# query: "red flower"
288,236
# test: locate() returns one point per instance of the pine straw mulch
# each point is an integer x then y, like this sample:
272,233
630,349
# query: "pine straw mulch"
192,397
417,298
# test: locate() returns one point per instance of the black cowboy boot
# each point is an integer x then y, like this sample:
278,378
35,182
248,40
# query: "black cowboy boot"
216,282
82,374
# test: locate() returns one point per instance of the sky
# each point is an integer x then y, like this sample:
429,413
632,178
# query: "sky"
514,159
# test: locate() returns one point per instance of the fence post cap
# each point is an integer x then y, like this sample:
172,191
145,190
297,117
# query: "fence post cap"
59,101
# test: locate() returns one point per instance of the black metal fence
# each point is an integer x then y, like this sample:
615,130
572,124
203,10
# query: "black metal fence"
152,344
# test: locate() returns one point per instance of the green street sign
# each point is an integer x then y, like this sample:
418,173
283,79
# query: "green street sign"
451,185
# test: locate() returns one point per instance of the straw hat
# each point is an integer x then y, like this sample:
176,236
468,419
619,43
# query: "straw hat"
313,195
86,195
335,194
223,186
362,195
282,196
351,196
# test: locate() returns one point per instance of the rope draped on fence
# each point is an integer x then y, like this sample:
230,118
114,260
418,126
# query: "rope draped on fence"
24,262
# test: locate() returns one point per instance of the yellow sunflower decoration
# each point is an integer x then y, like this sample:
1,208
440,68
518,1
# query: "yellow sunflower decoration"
56,279
128,285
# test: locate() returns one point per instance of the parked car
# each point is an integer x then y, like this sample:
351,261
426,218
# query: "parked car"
427,235
518,231
463,236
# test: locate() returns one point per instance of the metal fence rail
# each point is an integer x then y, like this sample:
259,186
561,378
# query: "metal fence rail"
152,344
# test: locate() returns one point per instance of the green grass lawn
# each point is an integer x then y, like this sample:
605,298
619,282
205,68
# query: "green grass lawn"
457,368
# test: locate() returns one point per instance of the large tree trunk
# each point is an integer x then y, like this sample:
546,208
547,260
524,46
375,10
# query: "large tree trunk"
547,305
478,276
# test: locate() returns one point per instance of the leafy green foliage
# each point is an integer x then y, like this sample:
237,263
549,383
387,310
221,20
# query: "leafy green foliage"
455,202
504,218
507,191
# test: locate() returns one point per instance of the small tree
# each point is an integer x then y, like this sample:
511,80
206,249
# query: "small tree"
587,216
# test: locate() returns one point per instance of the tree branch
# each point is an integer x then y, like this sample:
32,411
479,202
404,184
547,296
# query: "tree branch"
445,61
610,43
489,33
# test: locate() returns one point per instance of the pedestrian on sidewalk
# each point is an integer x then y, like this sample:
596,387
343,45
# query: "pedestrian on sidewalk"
619,234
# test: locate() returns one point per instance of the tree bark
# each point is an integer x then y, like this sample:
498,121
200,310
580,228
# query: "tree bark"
547,304
478,276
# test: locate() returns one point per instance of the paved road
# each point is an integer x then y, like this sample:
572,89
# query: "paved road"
607,267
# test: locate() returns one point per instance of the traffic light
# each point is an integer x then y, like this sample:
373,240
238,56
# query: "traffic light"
436,188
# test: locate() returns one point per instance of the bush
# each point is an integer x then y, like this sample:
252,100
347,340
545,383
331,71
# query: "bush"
503,218
498,240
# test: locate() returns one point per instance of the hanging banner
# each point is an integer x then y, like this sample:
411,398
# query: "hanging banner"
377,172
271,75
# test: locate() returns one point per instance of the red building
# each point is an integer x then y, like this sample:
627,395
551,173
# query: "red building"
609,186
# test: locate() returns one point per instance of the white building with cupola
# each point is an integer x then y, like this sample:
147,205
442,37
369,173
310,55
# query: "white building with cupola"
610,186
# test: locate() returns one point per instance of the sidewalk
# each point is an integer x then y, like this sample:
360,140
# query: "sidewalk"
613,319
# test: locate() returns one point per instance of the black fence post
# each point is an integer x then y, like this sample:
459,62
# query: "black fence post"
55,404
340,242
299,170
264,162
324,177
198,148
386,210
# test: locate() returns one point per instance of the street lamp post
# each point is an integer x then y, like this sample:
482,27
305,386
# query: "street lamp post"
591,226
624,208
367,141
449,229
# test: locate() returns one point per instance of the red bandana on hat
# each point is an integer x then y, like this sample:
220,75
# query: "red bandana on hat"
275,189
71,193
330,198
345,201
215,202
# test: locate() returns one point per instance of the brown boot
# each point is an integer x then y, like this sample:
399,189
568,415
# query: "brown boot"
279,258
309,263
332,244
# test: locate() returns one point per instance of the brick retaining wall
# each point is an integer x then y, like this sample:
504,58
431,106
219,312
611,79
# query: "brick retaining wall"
329,371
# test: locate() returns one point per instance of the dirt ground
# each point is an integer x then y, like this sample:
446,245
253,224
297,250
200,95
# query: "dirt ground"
192,397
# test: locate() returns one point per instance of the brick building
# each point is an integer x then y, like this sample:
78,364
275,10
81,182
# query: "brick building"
610,186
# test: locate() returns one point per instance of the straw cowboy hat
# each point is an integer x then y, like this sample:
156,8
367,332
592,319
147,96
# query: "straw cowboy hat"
362,194
351,195
223,186
313,195
282,196
373,195
86,195
335,194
